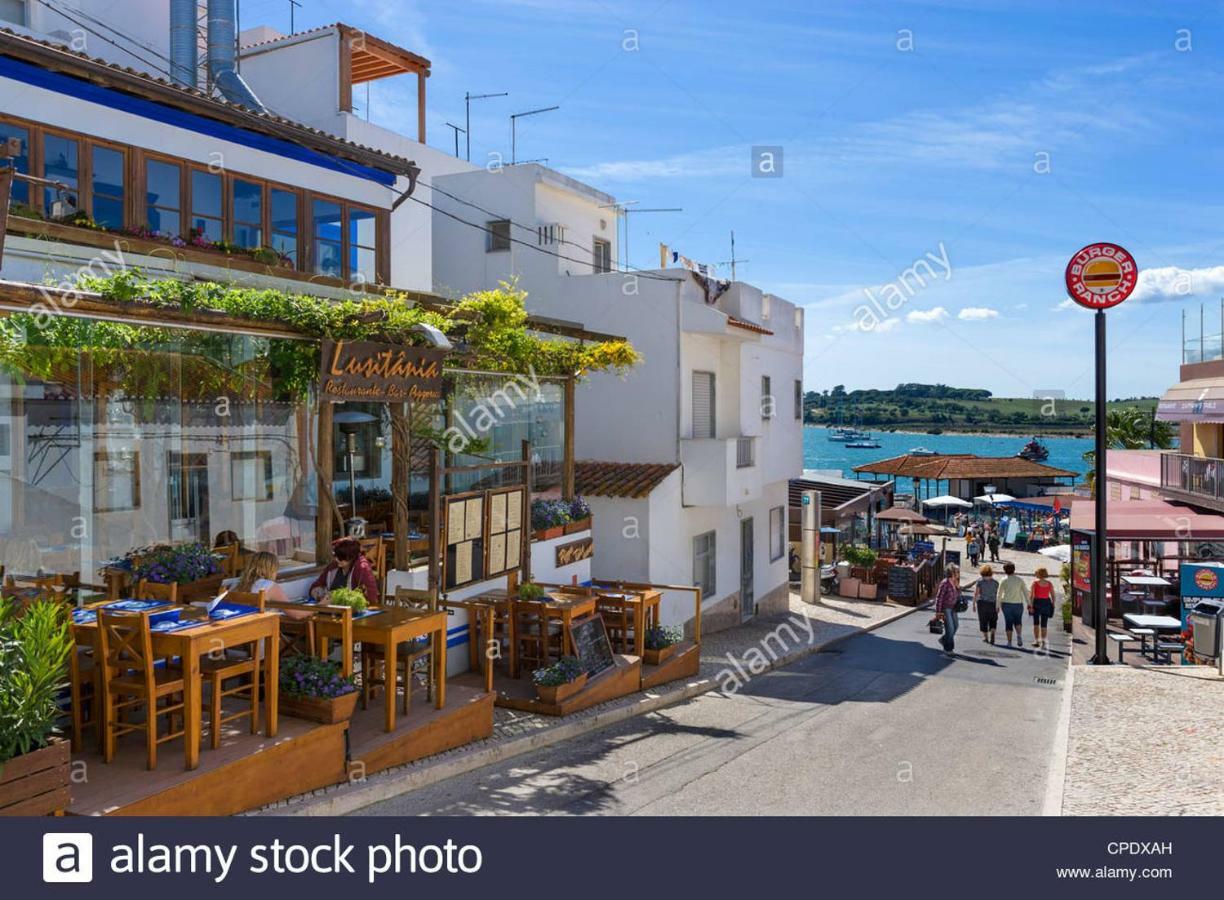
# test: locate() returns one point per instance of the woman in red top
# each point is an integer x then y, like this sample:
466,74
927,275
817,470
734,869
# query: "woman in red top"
1041,607
348,569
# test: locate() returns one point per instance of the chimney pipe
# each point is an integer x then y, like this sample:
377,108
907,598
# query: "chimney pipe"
223,54
184,43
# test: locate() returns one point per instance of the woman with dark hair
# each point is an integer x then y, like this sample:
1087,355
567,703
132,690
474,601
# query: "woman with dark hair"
348,569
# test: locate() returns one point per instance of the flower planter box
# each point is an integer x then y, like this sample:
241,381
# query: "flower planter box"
547,534
326,710
656,657
36,783
559,693
575,527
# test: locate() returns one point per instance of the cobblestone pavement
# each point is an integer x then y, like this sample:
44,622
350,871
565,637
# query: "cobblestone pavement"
514,731
1145,742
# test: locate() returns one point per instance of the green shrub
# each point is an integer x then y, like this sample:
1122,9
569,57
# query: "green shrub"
34,648
349,597
563,671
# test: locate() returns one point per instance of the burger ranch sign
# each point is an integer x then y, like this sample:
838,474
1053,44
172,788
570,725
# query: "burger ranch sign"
390,373
1101,275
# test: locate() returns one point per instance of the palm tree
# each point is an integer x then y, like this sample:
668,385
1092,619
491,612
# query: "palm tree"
1131,428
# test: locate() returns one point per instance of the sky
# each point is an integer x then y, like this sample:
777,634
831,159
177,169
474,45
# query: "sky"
960,151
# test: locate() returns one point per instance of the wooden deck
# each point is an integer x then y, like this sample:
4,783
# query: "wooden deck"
520,693
246,772
684,663
467,717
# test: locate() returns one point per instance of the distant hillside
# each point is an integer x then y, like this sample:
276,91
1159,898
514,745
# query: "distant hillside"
938,407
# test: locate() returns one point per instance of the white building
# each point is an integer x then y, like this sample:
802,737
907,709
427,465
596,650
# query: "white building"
686,460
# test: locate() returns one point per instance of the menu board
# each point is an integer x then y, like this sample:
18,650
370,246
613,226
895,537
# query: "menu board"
505,531
591,645
902,582
464,560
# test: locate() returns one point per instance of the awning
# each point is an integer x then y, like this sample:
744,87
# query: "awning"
1197,400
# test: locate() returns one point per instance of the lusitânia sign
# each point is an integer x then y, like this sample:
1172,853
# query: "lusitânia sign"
390,373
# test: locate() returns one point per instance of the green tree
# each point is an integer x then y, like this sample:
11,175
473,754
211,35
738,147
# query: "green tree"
1131,428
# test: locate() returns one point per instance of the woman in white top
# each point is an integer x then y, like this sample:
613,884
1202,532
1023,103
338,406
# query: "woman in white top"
259,574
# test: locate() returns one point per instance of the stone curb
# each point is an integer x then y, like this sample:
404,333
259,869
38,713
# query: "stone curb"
351,798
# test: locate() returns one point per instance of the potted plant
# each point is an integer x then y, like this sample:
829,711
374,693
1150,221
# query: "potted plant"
862,561
193,567
34,761
558,682
661,643
1066,615
314,689
350,597
529,592
549,518
580,515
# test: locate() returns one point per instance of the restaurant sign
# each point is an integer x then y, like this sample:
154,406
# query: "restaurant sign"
577,551
386,373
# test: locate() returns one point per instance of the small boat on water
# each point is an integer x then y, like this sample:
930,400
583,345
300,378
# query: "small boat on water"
1034,451
841,435
862,442
923,451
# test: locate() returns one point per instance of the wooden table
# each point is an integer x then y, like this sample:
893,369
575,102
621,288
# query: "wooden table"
389,627
564,607
209,637
480,612
645,605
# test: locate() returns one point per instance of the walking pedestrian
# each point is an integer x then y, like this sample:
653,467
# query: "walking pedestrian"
1041,607
946,598
985,603
973,549
1013,597
993,543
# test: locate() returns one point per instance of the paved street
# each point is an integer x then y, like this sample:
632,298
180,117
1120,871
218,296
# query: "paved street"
882,725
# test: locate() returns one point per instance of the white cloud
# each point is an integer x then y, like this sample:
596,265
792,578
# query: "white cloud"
977,314
1065,305
1175,283
921,316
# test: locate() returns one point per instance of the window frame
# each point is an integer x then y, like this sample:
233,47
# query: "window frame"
781,535
494,240
106,456
192,171
232,222
602,253
136,204
267,476
710,563
767,398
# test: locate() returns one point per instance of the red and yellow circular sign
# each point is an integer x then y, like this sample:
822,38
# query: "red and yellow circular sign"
1101,275
1206,579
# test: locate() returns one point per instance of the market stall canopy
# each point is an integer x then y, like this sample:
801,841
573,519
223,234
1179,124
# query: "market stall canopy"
947,500
1060,503
995,499
899,514
1060,552
1196,400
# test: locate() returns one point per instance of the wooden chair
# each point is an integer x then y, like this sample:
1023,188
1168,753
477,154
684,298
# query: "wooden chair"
131,680
408,654
217,669
618,620
148,590
375,550
539,635
85,690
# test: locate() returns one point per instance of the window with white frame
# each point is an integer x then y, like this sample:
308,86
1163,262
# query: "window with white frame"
602,254
777,533
767,400
705,561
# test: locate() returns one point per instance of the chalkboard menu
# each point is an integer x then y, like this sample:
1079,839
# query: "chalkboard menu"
591,645
902,582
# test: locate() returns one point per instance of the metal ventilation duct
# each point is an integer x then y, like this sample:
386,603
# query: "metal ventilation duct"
184,45
223,54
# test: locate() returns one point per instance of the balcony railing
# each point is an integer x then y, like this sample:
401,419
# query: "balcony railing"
1201,476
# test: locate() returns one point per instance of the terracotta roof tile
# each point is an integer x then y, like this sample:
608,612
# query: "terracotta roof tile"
618,479
947,467
748,326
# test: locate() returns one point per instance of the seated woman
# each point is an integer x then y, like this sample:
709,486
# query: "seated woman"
259,575
348,569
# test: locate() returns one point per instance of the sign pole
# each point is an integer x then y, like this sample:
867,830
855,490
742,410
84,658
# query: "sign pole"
1100,605
1098,277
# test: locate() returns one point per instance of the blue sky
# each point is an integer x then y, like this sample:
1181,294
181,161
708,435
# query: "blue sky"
997,136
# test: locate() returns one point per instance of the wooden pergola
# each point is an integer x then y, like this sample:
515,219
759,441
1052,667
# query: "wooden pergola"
365,58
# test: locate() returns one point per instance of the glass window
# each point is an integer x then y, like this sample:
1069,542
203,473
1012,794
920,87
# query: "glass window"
108,177
767,400
499,235
61,162
328,239
285,224
705,548
363,241
602,256
151,458
248,214
21,189
164,197
777,533
206,207
13,11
